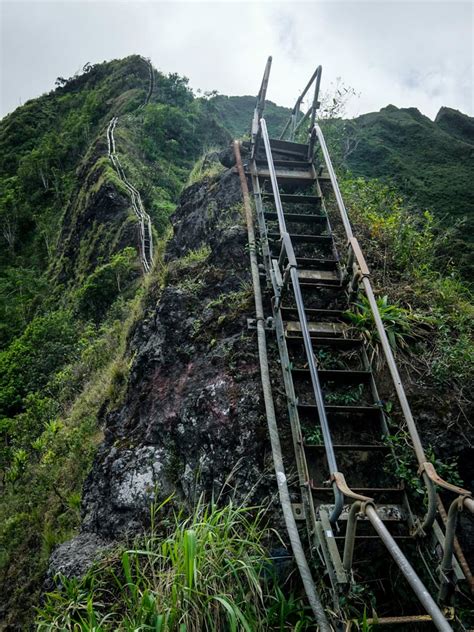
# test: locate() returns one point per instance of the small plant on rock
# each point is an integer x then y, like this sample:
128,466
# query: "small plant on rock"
401,325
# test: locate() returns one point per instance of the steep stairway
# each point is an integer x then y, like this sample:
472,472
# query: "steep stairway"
359,521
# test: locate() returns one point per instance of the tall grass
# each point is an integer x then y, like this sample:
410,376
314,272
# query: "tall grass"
209,572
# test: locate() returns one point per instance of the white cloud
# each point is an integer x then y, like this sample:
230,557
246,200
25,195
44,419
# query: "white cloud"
406,53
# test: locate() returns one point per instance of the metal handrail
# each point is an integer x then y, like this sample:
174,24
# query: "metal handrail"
286,241
293,122
285,500
362,504
426,468
259,107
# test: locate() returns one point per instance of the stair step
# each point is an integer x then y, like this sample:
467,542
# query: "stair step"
298,238
291,198
314,276
286,164
363,447
321,328
316,313
324,495
340,343
287,175
288,147
321,264
387,512
364,491
336,375
367,411
307,218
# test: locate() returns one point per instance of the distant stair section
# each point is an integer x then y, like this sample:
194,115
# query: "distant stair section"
144,221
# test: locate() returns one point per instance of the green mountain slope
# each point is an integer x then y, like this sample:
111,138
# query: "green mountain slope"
456,124
236,113
427,161
430,162
70,285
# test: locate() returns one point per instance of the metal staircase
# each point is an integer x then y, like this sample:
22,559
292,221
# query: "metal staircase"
357,512
145,230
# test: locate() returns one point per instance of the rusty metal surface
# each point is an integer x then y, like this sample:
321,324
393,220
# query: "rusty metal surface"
363,267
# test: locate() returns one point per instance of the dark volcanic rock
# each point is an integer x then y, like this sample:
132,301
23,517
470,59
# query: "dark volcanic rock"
75,557
193,412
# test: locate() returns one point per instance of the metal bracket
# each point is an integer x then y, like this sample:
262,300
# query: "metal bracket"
339,479
268,324
298,511
432,474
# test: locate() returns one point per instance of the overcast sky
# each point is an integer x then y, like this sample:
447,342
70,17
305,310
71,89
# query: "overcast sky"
406,53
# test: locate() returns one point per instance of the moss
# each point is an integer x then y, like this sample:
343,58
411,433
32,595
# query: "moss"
204,169
104,174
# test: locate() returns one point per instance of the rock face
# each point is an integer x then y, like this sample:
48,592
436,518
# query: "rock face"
99,220
192,421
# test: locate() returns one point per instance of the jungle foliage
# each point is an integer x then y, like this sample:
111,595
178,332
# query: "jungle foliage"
64,319
70,290
207,571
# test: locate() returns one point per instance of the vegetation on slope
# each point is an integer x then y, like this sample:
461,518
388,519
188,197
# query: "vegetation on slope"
209,571
70,287
428,313
236,114
430,163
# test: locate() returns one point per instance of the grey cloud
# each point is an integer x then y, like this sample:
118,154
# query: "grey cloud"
407,53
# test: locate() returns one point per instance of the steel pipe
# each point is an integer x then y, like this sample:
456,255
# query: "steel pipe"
446,567
410,575
259,107
349,541
457,547
293,119
293,533
405,406
330,455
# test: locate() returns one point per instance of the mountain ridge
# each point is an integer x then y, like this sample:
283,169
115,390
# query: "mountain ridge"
112,380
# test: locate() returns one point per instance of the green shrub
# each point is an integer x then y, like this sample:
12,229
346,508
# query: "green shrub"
204,169
192,257
26,365
106,283
401,325
407,234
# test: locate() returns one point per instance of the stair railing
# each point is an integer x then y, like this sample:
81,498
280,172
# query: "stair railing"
293,123
255,132
363,505
426,468
337,479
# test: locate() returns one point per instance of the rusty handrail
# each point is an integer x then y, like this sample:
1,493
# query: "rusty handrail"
426,469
